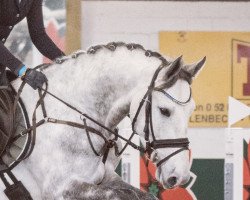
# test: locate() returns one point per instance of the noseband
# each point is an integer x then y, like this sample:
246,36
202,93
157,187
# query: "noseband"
181,143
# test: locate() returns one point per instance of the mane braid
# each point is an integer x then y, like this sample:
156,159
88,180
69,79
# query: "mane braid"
112,46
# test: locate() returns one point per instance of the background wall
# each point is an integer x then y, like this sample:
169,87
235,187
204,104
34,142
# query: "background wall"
140,22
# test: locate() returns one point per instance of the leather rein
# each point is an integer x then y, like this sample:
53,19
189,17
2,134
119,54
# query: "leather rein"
181,143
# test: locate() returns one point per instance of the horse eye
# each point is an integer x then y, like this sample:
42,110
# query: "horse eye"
165,112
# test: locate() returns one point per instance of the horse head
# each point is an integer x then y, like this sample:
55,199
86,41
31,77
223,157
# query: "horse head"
160,113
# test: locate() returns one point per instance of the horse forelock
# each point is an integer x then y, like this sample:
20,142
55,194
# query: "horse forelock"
184,75
170,81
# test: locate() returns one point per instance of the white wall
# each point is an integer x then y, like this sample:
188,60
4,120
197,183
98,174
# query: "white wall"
140,22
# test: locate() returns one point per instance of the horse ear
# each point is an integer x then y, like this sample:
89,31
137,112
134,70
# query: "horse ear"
195,68
174,68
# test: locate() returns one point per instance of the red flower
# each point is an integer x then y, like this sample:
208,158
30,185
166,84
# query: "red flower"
176,194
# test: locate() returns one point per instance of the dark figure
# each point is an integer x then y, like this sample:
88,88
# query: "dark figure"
11,13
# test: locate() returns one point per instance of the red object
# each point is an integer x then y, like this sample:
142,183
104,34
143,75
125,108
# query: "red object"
149,184
244,52
53,33
246,175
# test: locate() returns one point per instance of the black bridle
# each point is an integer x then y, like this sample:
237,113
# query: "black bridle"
181,143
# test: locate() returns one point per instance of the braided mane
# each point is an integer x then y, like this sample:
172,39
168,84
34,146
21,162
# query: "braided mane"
113,46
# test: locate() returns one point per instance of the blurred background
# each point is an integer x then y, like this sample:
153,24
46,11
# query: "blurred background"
217,29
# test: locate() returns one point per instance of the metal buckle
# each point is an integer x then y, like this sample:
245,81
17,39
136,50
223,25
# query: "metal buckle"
52,120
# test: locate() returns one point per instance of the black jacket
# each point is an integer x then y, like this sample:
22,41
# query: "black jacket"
11,12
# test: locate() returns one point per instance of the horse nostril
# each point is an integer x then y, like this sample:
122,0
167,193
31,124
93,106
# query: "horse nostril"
172,181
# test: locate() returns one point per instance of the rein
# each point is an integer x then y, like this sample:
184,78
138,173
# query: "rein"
181,143
108,144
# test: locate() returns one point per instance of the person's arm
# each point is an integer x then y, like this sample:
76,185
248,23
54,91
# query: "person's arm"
37,32
10,61
34,78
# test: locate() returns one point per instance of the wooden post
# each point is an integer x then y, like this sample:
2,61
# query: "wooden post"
73,26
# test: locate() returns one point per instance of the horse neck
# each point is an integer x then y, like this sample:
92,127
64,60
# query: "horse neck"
92,86
96,85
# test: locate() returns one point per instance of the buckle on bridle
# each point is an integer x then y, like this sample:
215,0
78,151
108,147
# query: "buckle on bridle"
52,120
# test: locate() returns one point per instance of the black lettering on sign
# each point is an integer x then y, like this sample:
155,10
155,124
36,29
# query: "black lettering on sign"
199,108
219,107
208,107
198,118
